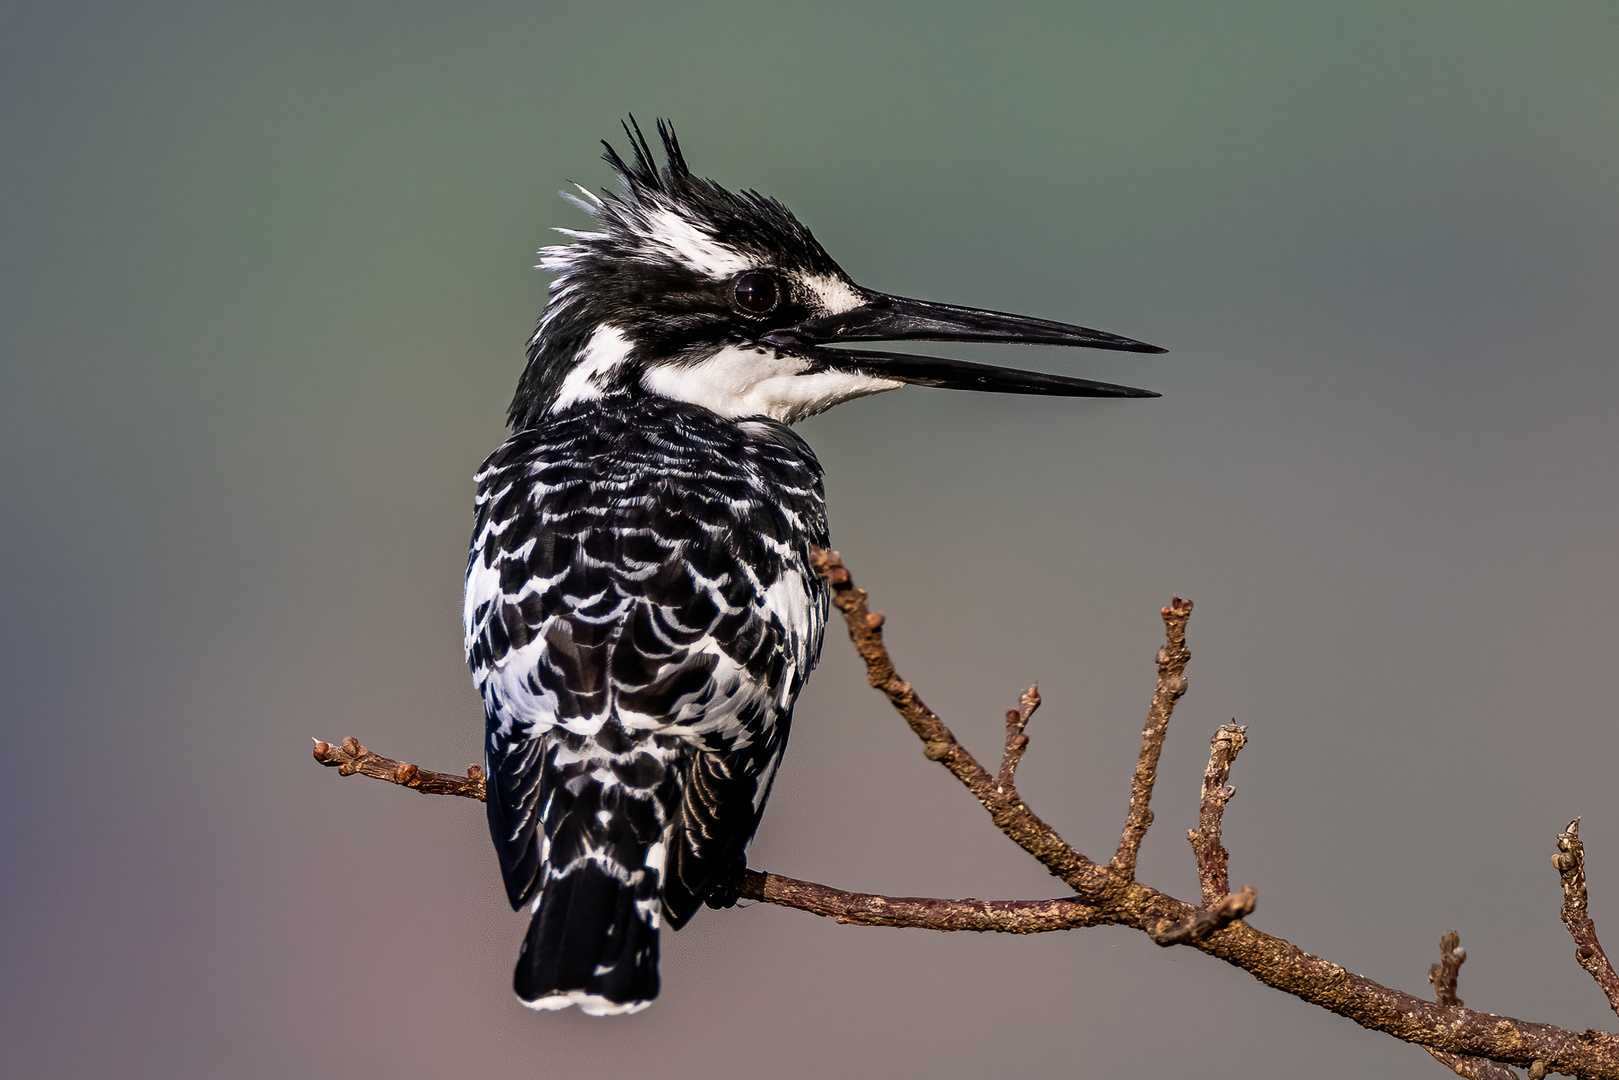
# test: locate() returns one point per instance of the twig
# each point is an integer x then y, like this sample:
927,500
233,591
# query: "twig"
1570,863
1212,857
1206,919
1443,976
866,909
1172,658
351,757
1016,741
1220,905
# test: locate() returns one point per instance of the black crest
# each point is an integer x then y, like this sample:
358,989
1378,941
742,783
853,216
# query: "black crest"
644,175
624,274
744,219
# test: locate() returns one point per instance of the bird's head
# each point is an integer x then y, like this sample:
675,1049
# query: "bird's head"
723,299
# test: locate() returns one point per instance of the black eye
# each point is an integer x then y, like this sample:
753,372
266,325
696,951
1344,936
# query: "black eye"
757,293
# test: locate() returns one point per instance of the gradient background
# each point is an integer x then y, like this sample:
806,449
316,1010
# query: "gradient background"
266,281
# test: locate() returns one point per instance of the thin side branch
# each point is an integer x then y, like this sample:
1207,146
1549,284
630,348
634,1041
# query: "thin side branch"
1207,919
1016,741
1570,863
1212,857
1172,660
1443,976
1220,906
350,758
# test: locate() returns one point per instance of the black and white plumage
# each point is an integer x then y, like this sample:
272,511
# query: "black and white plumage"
640,611
641,619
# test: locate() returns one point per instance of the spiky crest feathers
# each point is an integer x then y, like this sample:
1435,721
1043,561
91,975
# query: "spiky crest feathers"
654,270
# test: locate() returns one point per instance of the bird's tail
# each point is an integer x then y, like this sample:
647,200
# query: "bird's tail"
604,805
593,942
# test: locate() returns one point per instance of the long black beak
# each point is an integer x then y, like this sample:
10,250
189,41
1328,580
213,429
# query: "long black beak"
895,318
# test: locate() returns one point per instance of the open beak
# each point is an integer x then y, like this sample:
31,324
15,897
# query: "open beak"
894,318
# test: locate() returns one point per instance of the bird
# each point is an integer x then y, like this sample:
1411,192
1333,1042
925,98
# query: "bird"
640,609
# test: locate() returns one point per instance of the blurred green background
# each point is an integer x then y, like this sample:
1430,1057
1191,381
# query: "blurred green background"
265,277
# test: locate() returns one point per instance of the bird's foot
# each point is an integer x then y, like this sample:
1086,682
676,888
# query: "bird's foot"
724,894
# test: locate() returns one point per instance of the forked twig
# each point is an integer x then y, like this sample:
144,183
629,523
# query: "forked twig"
1108,893
1220,905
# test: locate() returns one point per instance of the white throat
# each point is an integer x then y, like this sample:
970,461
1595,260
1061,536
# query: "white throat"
743,381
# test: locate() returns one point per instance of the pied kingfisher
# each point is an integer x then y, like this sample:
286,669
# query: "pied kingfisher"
640,609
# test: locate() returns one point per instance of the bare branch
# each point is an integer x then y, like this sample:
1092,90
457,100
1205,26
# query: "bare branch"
1211,855
1220,906
1570,863
1016,741
1443,976
351,758
1272,960
1105,894
865,909
1172,658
